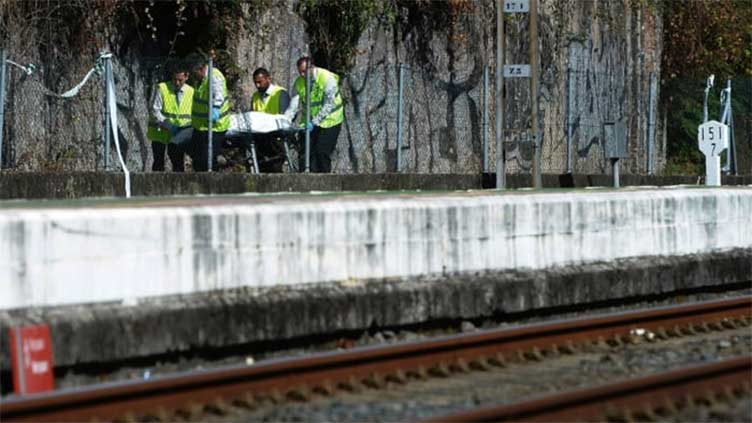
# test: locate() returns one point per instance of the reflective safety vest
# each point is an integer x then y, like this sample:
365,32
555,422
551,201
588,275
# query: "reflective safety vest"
201,106
272,103
178,115
317,98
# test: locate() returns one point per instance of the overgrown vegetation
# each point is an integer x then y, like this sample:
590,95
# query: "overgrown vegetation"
335,26
703,38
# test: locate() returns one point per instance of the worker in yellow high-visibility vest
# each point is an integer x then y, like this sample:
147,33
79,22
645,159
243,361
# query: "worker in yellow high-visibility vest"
217,109
327,113
272,99
170,120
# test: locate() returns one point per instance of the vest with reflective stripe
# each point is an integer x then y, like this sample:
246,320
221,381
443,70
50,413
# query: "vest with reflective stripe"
178,115
272,104
317,98
201,106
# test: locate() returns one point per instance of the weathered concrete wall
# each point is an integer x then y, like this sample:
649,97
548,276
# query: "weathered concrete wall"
105,332
611,47
121,252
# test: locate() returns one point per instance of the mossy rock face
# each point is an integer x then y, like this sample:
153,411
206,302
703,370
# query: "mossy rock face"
446,46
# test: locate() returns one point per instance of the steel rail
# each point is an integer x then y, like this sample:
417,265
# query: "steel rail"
327,371
638,395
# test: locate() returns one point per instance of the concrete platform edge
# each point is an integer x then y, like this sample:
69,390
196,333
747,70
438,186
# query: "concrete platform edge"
106,332
70,185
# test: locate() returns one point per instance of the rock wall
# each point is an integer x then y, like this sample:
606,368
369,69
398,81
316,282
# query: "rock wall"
607,50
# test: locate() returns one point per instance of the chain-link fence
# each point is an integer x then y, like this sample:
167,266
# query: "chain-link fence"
398,117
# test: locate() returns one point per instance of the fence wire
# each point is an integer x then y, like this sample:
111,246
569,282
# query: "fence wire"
444,119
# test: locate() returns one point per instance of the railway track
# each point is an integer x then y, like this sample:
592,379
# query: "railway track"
188,395
640,399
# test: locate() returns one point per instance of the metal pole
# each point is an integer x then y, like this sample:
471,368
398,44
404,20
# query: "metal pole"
537,184
501,182
570,123
708,85
3,58
651,122
308,116
107,123
210,103
725,119
732,139
399,117
615,165
484,138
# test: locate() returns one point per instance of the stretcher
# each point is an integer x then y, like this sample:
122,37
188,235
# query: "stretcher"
260,123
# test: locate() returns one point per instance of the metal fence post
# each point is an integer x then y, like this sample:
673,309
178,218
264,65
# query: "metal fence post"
500,153
308,116
399,117
210,102
107,124
570,121
651,122
484,136
615,167
3,58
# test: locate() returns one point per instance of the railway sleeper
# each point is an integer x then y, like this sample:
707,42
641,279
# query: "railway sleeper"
246,401
327,388
301,394
398,377
374,381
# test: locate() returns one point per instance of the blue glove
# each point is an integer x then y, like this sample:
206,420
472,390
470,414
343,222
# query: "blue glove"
309,126
174,129
215,114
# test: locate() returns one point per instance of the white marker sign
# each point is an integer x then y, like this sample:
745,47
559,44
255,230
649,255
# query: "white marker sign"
712,139
516,6
516,71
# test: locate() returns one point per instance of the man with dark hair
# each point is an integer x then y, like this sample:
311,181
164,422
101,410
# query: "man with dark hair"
217,109
170,120
327,112
272,99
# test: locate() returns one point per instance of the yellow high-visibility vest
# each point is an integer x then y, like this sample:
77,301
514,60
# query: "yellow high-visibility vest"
177,114
272,103
317,98
201,106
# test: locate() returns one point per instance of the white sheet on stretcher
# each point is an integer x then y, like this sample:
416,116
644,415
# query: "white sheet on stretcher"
257,122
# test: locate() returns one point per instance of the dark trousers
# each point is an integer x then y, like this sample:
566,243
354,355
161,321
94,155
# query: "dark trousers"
198,149
270,151
175,152
323,143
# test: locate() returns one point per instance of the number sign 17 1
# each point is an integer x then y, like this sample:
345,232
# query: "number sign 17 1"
516,6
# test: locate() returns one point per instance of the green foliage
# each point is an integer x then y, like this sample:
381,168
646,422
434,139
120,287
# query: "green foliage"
702,38
335,27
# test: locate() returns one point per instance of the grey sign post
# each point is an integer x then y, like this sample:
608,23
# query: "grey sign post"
537,180
3,58
519,71
501,182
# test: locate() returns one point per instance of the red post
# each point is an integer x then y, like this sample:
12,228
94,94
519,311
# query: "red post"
31,359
